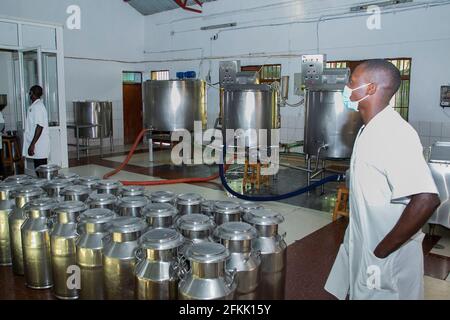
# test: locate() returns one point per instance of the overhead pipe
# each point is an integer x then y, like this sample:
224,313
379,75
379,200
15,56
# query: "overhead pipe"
183,5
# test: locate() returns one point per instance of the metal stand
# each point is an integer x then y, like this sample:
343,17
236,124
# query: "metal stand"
86,147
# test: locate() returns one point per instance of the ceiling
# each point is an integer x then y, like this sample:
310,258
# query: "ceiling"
148,7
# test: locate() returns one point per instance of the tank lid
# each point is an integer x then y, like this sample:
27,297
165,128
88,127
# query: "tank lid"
238,231
76,190
108,184
20,178
102,198
263,217
189,199
128,225
160,210
48,168
247,205
97,216
161,239
207,252
70,207
227,207
162,196
29,191
248,87
132,202
132,191
195,222
41,204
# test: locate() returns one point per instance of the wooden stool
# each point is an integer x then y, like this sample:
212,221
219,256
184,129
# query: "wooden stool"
11,153
341,207
252,175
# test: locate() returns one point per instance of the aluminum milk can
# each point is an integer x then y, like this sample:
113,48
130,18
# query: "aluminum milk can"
207,207
227,211
20,178
189,203
93,227
108,186
72,177
269,242
24,195
48,171
131,206
160,215
90,181
63,241
76,193
119,257
163,197
7,190
156,275
207,278
132,191
237,237
54,188
196,227
102,201
36,243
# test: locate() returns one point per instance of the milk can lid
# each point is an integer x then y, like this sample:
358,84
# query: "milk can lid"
57,183
29,191
227,207
128,225
108,184
236,231
48,168
102,198
69,175
132,190
20,178
263,217
189,199
76,190
41,204
195,222
97,216
248,205
9,186
133,202
162,196
38,182
161,239
89,179
70,206
160,210
207,252
208,204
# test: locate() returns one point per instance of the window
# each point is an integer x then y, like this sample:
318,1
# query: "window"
400,101
131,77
160,75
267,73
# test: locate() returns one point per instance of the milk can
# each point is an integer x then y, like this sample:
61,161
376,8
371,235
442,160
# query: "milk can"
93,227
269,242
108,186
196,227
189,203
48,171
63,240
131,206
207,207
36,230
227,211
7,190
72,177
156,276
132,191
24,195
90,181
160,215
102,201
76,193
54,188
237,237
119,257
20,178
163,197
246,206
36,182
207,278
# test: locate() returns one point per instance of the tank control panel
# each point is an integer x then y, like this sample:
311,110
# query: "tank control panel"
312,69
228,71
445,96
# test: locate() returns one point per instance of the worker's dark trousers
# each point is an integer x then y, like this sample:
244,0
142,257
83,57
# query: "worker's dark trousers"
39,162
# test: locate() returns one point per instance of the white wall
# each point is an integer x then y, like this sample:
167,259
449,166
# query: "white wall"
110,30
421,34
7,87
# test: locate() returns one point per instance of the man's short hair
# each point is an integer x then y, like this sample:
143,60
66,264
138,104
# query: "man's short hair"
389,72
36,91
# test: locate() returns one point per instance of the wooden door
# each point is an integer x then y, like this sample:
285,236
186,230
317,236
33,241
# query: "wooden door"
132,112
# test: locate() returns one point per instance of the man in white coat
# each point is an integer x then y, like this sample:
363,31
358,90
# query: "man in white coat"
36,138
392,196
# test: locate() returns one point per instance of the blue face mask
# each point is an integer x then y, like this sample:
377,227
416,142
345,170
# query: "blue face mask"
348,103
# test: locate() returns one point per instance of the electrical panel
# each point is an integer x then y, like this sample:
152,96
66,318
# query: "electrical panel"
312,69
445,96
228,71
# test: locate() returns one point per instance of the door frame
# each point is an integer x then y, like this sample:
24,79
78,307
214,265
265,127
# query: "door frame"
123,99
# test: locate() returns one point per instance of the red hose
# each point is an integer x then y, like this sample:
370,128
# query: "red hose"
152,183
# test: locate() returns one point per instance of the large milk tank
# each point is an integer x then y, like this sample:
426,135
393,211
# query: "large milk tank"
250,106
172,105
328,122
94,113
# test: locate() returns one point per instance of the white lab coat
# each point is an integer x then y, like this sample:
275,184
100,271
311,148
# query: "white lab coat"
387,168
37,115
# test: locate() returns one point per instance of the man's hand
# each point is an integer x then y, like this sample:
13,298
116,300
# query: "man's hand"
31,150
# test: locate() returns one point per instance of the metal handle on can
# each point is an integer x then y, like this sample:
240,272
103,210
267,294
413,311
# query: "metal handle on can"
139,254
231,277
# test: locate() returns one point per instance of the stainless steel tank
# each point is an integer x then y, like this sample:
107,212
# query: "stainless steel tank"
94,113
328,124
160,215
90,182
207,278
102,201
48,171
16,219
132,191
163,197
64,254
227,211
250,106
175,104
131,206
119,258
93,228
156,271
76,193
108,186
36,243
54,188
189,203
7,190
